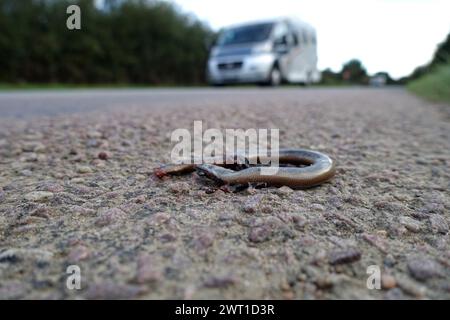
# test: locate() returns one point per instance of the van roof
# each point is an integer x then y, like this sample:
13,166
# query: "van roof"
293,21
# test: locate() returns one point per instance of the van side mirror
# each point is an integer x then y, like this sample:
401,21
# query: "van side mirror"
281,41
281,45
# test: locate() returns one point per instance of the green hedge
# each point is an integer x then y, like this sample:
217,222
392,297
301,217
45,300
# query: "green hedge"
134,41
434,85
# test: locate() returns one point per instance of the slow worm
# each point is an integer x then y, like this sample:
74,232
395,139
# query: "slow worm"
317,168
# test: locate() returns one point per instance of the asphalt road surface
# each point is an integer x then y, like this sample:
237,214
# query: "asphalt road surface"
77,188
27,104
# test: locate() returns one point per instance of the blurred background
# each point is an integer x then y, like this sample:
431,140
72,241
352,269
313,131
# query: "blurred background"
166,43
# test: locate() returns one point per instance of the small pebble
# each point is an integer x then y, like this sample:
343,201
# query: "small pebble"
158,219
78,253
140,199
33,147
51,187
84,169
26,173
252,204
284,191
78,180
109,216
29,157
81,210
376,241
410,224
203,241
168,237
342,256
92,143
410,287
288,295
299,221
39,196
94,134
103,155
424,268
438,224
41,211
324,282
388,281
260,233
317,207
180,188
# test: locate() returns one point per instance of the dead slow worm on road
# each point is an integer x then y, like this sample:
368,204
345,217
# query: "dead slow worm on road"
316,169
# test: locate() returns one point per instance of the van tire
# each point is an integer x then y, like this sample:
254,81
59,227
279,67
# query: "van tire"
274,78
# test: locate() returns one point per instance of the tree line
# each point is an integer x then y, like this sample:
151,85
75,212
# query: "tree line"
354,72
135,41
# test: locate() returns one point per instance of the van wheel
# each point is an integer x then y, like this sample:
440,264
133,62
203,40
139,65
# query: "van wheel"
274,77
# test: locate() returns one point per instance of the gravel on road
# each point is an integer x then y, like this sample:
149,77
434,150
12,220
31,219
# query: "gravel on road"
77,188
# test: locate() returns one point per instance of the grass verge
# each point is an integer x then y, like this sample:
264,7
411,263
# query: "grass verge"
434,86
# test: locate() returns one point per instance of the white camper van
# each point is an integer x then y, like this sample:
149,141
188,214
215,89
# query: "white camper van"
265,52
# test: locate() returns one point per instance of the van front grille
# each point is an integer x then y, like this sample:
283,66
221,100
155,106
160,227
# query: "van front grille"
230,65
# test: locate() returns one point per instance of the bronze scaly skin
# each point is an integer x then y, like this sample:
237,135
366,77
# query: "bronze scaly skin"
319,169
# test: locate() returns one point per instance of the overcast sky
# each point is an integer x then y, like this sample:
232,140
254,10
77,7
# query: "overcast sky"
386,35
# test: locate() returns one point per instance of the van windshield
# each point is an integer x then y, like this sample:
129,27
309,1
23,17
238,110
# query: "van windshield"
245,34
